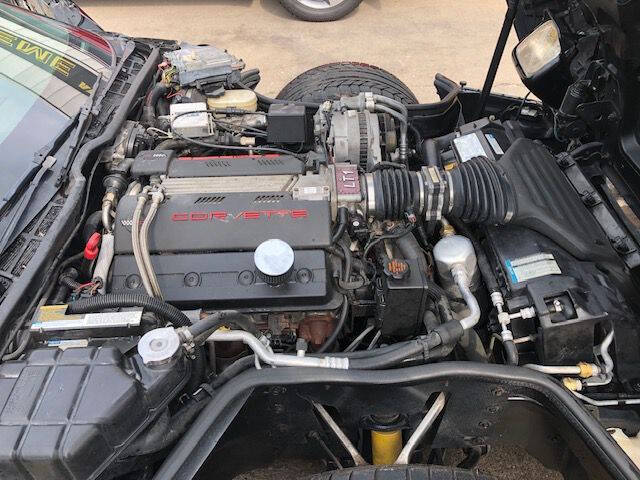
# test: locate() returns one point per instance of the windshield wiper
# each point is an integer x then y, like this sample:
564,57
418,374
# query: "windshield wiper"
18,198
24,200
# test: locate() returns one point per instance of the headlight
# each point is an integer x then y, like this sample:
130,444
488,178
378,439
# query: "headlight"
539,50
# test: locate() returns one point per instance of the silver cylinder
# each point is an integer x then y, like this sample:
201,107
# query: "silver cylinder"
456,252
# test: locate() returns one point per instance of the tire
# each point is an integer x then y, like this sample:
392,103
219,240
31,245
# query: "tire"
401,472
305,10
331,81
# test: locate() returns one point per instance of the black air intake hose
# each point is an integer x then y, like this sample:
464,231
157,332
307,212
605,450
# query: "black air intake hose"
481,192
397,192
167,312
477,191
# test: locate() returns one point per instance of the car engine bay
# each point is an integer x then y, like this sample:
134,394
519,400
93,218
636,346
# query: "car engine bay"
238,232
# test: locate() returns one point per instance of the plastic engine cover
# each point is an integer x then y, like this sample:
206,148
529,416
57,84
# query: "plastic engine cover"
65,414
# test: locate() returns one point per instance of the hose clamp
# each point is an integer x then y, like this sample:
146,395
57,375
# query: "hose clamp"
422,194
450,183
371,194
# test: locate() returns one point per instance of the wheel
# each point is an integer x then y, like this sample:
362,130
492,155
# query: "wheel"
401,472
331,81
320,10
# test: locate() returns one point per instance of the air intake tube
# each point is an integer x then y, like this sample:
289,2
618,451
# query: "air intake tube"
478,191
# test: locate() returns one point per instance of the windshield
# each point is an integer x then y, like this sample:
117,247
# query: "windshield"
47,72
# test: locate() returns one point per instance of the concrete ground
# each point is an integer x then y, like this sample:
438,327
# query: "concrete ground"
413,39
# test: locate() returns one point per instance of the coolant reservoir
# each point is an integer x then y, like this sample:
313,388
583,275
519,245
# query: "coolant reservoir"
241,99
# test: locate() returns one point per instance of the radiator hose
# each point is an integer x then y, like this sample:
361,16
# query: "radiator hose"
165,311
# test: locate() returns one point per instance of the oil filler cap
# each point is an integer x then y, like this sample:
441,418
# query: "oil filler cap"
274,261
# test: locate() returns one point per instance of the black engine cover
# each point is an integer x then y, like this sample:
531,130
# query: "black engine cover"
227,222
229,280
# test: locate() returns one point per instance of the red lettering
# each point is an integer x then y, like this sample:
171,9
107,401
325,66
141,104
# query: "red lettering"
219,215
199,216
180,217
278,213
246,215
249,215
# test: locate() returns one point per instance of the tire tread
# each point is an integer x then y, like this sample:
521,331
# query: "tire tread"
401,472
319,15
333,80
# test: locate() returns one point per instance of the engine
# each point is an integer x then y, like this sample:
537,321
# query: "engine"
285,212
340,235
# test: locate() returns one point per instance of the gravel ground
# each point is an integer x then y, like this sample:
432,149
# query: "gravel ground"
414,39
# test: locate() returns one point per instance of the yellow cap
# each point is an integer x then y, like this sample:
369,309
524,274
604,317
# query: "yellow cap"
586,370
572,384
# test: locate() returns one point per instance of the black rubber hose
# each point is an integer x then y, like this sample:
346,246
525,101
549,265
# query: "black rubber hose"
343,219
269,101
510,352
163,433
348,263
70,283
340,325
488,275
397,193
172,144
386,360
166,311
396,357
223,318
245,363
92,225
149,109
576,152
22,346
236,368
482,193
197,371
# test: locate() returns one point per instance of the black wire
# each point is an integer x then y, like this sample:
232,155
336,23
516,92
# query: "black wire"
232,147
267,100
340,325
524,100
387,236
239,148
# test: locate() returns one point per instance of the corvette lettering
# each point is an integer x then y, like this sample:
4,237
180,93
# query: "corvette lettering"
245,215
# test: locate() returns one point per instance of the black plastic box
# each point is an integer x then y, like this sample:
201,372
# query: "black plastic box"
286,123
152,162
65,414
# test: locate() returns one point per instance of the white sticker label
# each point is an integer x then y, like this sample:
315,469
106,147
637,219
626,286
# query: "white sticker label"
64,344
469,147
494,143
533,266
